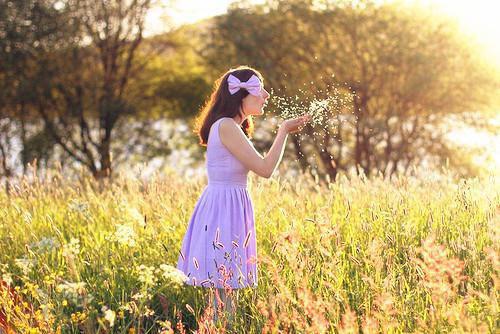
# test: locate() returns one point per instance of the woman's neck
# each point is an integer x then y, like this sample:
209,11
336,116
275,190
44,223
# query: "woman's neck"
238,119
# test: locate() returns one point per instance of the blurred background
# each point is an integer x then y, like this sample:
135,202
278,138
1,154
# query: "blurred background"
112,87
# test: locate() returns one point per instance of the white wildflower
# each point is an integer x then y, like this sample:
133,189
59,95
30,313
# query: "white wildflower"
73,291
77,288
72,248
172,274
136,216
7,278
141,297
148,312
24,264
146,274
109,315
124,235
45,244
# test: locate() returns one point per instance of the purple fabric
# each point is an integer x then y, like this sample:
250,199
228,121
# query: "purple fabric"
220,235
252,85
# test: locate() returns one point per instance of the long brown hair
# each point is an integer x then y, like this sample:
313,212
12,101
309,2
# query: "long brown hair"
222,104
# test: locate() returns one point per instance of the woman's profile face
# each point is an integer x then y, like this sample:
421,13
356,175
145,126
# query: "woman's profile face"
254,105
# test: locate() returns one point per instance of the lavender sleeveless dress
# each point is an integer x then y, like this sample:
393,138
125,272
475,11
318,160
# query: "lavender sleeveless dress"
219,248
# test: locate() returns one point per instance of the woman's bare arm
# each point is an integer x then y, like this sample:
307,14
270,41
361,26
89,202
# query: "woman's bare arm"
235,140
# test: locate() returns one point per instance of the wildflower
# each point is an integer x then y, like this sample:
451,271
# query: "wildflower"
7,278
45,244
109,315
146,274
24,264
136,216
72,248
83,316
73,291
124,234
173,274
148,312
138,296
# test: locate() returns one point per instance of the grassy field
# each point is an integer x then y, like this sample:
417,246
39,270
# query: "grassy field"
416,254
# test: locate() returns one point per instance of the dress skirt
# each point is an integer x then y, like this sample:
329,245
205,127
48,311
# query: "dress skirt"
219,248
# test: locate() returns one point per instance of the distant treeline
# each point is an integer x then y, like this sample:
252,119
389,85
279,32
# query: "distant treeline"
81,85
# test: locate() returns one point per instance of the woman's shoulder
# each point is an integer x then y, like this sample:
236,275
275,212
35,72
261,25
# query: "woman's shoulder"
221,120
231,133
227,125
215,128
216,125
225,118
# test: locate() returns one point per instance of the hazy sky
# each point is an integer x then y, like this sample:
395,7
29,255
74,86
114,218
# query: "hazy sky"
479,17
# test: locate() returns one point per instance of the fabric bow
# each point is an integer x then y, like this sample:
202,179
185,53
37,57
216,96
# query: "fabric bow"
253,85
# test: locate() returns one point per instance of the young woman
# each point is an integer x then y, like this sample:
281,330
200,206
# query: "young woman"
219,248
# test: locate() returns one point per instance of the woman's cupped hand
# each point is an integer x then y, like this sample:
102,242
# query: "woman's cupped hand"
294,125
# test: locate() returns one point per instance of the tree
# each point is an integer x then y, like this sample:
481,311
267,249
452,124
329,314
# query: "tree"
408,71
86,87
168,91
411,71
93,67
18,44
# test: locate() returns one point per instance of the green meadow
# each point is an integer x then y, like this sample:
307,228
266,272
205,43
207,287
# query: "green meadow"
415,254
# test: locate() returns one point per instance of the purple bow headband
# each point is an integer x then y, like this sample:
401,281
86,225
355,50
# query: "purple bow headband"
253,85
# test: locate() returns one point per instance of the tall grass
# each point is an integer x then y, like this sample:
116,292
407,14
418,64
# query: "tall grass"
415,254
